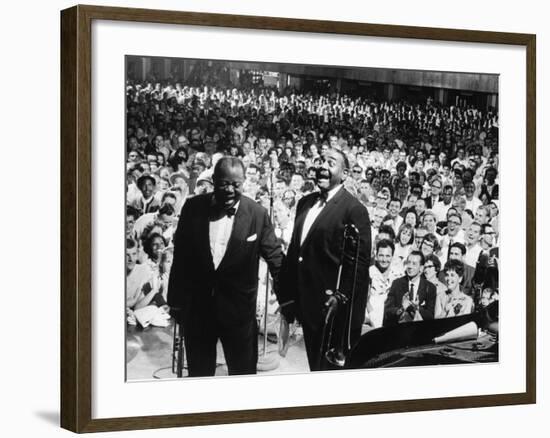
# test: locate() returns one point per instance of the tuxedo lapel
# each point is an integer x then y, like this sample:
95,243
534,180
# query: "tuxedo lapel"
204,232
300,219
331,206
238,232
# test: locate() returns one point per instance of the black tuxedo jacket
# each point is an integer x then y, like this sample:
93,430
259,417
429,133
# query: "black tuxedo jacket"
400,286
227,294
310,269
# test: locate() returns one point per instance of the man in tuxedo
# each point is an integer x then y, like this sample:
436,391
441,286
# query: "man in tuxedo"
313,258
214,276
411,297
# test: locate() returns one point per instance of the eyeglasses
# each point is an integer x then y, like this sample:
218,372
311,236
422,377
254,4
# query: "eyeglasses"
429,266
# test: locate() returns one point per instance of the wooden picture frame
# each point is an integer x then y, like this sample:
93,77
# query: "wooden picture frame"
76,217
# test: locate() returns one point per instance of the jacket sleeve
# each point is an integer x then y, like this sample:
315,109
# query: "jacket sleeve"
287,285
391,307
427,311
271,251
359,216
175,282
467,281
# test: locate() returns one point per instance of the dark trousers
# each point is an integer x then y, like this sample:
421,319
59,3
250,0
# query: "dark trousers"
240,347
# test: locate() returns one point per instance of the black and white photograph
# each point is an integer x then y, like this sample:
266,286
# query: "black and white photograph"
297,218
275,219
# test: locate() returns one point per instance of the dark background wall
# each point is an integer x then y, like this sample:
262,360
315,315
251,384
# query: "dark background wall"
449,88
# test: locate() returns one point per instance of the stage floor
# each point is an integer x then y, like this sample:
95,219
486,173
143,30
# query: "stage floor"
149,354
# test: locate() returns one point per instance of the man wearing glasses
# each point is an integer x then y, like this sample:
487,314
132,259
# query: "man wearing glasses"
454,234
357,173
486,273
214,276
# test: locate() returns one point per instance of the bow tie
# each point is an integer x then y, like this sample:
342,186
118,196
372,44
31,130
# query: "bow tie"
322,197
230,212
219,212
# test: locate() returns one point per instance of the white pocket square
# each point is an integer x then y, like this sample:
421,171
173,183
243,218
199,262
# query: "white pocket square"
251,238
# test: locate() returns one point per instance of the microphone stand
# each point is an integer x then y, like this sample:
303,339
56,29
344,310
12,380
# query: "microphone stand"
264,363
267,270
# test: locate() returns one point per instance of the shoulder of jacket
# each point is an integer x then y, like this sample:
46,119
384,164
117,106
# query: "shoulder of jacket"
305,199
249,204
352,200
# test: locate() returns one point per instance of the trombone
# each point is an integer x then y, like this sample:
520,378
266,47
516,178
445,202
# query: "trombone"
336,337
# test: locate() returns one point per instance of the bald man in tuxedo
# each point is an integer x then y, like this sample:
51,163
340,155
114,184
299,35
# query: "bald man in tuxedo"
214,275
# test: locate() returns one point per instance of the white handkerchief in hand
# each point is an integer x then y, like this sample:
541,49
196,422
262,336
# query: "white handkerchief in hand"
145,315
251,238
160,319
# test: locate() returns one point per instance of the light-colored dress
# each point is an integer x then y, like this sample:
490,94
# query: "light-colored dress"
448,304
141,274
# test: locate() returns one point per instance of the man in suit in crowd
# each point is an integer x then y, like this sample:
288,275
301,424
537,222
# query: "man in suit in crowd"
311,265
435,190
486,270
214,276
411,297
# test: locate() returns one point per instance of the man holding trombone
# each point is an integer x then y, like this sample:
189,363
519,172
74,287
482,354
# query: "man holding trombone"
312,266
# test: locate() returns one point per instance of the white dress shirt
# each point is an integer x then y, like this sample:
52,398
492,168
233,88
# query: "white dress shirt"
473,204
440,210
446,242
315,211
220,232
397,222
472,255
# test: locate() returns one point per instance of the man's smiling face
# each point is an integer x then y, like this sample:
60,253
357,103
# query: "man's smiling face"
331,172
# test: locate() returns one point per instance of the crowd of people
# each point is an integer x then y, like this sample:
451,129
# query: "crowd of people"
426,173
